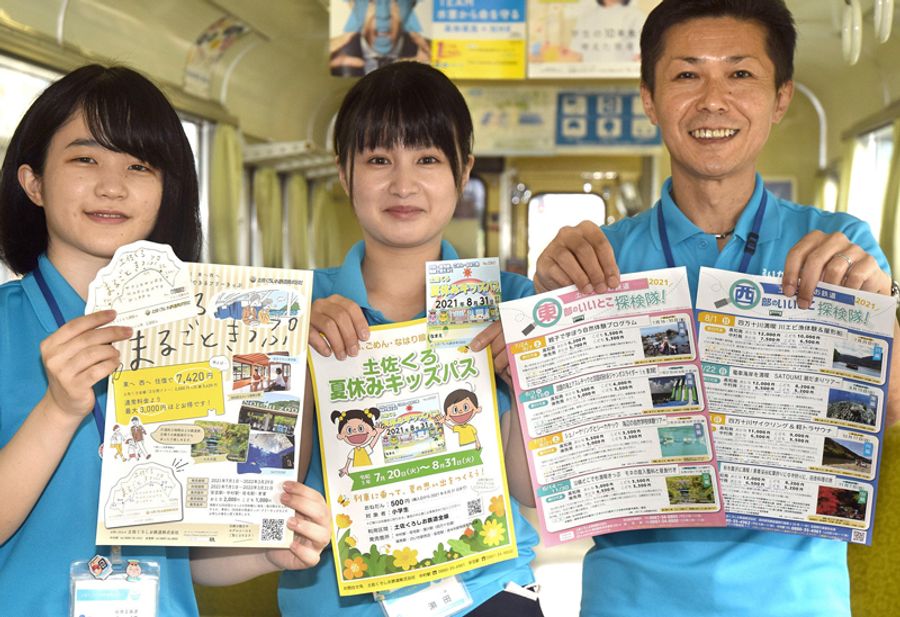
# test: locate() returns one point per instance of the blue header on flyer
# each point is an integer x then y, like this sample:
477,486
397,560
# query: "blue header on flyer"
826,294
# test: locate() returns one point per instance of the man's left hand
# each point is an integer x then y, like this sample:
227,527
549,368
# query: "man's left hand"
830,258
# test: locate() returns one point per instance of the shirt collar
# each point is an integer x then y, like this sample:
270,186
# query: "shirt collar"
70,303
350,284
679,227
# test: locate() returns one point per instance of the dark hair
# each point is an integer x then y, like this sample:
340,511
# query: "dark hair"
124,112
458,396
366,415
772,15
405,103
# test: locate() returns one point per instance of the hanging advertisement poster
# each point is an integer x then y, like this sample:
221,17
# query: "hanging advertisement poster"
586,38
201,425
609,118
479,39
612,409
512,120
207,50
368,34
412,458
798,402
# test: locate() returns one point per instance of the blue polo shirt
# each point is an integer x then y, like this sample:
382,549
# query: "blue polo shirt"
719,571
34,562
314,591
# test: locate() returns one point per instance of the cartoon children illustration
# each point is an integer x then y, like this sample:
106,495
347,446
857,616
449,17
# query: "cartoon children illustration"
460,407
116,440
357,428
137,434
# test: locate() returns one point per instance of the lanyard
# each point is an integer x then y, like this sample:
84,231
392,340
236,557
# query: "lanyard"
749,247
99,418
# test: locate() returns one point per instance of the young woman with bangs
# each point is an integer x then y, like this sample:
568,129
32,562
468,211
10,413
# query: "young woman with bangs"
403,139
98,161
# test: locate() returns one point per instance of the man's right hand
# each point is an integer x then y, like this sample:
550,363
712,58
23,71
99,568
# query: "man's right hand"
580,256
337,324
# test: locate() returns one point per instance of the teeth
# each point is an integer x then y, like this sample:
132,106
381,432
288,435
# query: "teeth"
105,215
713,133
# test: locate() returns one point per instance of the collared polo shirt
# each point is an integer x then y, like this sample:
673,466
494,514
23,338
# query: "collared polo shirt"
34,562
718,572
314,591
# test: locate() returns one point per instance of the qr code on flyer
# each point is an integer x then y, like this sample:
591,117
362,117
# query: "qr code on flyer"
474,507
858,536
272,530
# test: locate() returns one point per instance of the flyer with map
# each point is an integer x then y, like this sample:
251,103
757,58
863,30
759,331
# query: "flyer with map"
798,400
412,461
202,416
612,408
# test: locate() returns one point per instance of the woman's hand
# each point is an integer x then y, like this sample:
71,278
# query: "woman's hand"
492,337
311,526
77,356
337,324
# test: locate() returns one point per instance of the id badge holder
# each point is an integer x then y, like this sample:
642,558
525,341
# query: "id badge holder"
438,599
103,588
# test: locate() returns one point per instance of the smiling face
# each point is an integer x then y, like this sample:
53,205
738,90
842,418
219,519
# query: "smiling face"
462,412
715,99
403,196
95,200
356,432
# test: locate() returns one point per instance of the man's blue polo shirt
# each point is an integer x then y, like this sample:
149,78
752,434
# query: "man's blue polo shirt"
314,592
34,562
719,572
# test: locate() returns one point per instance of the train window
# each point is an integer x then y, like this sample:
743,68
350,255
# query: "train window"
869,176
466,230
20,84
830,190
549,212
199,136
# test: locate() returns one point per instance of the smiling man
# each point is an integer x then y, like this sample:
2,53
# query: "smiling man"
716,75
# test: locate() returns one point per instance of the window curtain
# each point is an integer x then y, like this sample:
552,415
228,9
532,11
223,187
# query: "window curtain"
225,174
843,199
267,197
297,191
891,202
334,226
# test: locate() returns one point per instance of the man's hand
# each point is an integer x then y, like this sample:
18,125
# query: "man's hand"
830,258
580,256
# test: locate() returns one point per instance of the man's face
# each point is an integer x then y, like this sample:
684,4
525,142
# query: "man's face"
462,412
715,99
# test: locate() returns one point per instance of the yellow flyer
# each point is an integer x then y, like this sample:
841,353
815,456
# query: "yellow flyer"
202,416
412,460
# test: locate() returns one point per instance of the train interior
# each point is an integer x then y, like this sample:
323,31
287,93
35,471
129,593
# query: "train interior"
259,115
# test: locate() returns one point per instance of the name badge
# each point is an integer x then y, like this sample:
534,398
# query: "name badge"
101,588
439,599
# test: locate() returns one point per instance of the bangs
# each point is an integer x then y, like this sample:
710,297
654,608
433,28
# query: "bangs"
404,105
131,118
404,123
